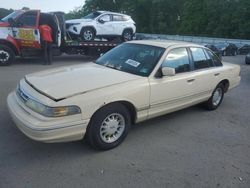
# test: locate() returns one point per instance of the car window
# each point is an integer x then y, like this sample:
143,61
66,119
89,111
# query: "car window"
125,18
200,59
105,18
117,18
209,58
28,19
132,58
178,59
215,58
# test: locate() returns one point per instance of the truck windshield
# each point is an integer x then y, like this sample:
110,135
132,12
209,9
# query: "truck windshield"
92,15
138,59
13,15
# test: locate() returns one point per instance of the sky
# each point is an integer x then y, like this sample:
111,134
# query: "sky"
44,5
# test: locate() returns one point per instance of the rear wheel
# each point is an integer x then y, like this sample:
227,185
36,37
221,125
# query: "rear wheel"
127,35
87,34
108,127
6,55
215,100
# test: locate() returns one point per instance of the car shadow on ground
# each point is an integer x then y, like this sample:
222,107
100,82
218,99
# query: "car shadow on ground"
158,124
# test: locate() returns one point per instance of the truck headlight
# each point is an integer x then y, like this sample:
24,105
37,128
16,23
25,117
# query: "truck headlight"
52,111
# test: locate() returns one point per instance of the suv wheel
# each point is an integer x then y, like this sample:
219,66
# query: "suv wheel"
6,55
87,34
108,127
127,35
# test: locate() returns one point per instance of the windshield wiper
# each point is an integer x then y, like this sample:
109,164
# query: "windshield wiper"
112,67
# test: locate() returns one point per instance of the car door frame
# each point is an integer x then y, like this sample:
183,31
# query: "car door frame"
28,36
170,104
206,78
99,30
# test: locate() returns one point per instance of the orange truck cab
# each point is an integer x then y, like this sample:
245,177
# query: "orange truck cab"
19,33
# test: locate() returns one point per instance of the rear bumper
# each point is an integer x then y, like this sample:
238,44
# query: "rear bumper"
44,131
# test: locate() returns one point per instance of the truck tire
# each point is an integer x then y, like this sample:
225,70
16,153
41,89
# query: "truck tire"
87,34
6,55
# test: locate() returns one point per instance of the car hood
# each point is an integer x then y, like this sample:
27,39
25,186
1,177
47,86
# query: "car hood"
78,21
66,82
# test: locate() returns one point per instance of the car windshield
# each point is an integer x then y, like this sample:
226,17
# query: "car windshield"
13,15
136,59
92,15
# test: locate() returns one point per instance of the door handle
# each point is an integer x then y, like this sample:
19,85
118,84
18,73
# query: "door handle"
191,80
216,74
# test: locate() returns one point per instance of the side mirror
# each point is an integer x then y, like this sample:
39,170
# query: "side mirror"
101,21
11,22
167,71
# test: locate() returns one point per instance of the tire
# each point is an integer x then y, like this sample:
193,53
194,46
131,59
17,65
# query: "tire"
113,119
217,96
7,55
87,34
127,35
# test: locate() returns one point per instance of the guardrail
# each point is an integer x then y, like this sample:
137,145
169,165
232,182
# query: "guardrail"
210,40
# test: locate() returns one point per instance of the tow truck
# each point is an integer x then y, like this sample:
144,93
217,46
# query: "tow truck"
20,37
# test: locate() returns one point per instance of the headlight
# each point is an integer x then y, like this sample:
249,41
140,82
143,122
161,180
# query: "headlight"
46,110
52,111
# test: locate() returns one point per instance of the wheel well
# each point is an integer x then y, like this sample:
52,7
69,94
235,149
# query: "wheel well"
91,27
226,84
128,28
11,46
130,107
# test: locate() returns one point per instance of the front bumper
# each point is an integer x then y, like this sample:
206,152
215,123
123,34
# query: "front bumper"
49,130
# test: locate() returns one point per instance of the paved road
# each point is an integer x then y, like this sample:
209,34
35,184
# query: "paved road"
189,148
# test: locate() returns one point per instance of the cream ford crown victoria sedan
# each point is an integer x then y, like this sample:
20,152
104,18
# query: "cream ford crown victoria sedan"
133,82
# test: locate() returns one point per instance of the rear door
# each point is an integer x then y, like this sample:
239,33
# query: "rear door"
26,30
206,74
118,23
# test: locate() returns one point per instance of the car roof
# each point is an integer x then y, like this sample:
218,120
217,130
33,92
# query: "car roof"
102,12
164,43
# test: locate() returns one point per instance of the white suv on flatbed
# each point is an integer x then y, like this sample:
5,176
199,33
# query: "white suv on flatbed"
104,24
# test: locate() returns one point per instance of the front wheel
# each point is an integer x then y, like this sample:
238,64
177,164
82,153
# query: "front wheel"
87,34
108,127
6,55
215,100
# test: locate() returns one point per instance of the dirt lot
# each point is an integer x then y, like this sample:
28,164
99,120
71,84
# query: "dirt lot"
189,148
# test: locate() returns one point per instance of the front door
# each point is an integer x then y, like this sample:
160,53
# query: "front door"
26,30
169,93
104,25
